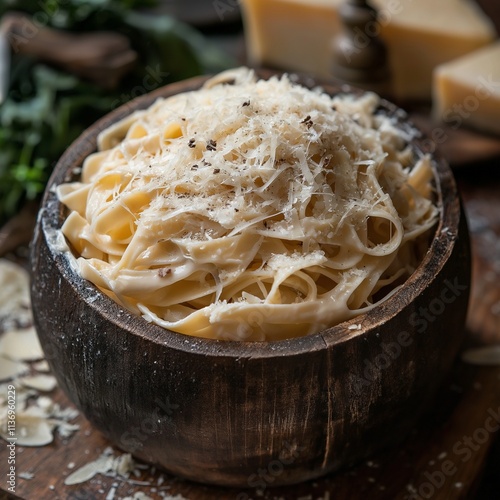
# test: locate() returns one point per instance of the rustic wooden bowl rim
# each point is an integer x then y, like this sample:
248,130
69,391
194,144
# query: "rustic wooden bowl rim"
52,216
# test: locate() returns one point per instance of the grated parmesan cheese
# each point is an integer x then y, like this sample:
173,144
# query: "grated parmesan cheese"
251,209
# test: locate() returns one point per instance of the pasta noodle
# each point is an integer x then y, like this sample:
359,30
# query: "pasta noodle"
251,209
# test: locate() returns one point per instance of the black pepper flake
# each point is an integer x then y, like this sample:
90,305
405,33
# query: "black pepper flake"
246,103
216,170
334,108
163,272
307,121
211,145
206,163
192,143
194,167
236,210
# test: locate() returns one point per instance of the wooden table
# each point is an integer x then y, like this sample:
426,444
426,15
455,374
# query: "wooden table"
421,464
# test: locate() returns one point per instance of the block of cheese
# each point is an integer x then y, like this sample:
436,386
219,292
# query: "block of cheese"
425,33
467,90
297,35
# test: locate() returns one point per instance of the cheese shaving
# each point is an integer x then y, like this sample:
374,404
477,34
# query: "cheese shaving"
251,209
107,462
21,345
15,310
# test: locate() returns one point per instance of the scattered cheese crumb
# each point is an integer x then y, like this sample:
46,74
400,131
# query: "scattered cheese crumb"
15,304
21,345
37,417
111,493
43,383
26,475
107,462
41,366
10,369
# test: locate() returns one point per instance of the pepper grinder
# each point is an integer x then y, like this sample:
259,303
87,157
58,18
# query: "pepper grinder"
359,55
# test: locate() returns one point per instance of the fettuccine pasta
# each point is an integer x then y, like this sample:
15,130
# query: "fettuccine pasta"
251,209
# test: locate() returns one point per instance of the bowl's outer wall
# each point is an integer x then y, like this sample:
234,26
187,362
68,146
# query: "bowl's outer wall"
250,414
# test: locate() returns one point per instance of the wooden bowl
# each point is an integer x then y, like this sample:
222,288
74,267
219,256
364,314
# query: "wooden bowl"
243,413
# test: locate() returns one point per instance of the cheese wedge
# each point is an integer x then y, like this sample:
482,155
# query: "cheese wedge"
291,34
467,90
420,34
